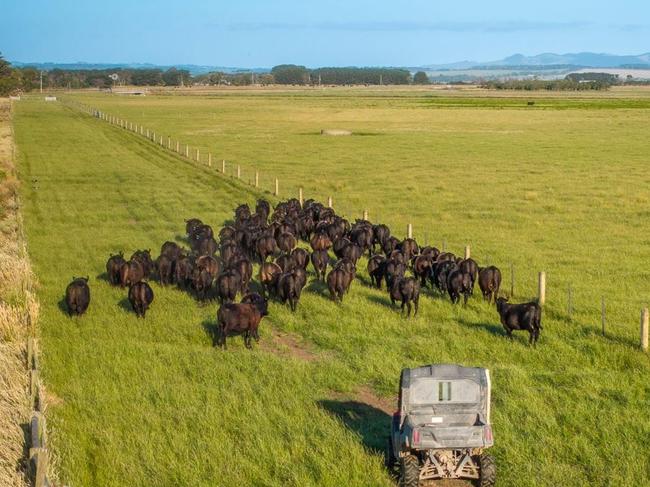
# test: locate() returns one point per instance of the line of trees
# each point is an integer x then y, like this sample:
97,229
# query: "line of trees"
548,85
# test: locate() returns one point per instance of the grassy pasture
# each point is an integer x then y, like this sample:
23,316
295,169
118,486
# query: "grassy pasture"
151,403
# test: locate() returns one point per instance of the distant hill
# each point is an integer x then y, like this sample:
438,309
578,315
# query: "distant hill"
552,60
192,68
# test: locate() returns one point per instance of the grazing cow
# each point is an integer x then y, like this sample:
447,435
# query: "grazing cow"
392,271
406,290
113,266
263,209
227,233
470,267
201,282
205,246
431,252
241,319
459,282
228,284
390,244
380,233
183,271
266,246
352,252
269,274
245,269
320,259
165,267
208,263
171,250
363,237
131,272
409,248
288,289
376,268
489,280
524,316
422,265
144,257
339,245
338,282
191,225
440,273
77,296
230,253
286,242
140,297
320,242
285,262
300,258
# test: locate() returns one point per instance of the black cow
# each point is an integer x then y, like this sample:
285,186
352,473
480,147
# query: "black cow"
459,282
77,296
228,284
300,257
113,266
140,297
241,319
524,316
165,266
489,280
320,259
338,282
470,267
201,282
376,269
406,290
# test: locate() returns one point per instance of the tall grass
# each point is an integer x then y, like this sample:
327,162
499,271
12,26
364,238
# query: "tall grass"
17,303
512,183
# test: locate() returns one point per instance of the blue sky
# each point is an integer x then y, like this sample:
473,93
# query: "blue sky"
316,33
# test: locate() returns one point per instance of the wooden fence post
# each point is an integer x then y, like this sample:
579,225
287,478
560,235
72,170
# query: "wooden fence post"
147,133
467,251
178,146
198,156
238,171
169,142
223,166
277,188
409,230
644,329
512,280
542,288
603,314
257,179
365,215
300,198
210,159
161,141
187,151
329,202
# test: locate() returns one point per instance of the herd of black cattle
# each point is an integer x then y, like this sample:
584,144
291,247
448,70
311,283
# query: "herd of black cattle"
260,235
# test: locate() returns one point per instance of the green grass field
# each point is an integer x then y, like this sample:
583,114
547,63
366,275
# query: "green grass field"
556,188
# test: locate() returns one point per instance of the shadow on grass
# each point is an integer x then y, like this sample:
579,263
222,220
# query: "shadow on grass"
102,277
370,423
494,329
125,304
63,306
319,288
383,301
212,330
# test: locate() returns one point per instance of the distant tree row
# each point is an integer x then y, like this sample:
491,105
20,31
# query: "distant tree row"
548,85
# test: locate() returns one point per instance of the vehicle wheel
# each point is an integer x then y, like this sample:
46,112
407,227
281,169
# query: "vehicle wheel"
409,471
488,471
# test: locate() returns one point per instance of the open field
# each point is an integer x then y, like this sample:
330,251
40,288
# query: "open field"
561,187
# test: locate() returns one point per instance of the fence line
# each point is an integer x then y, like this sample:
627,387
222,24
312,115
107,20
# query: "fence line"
126,125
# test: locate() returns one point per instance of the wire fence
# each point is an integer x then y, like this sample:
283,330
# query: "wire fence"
515,284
